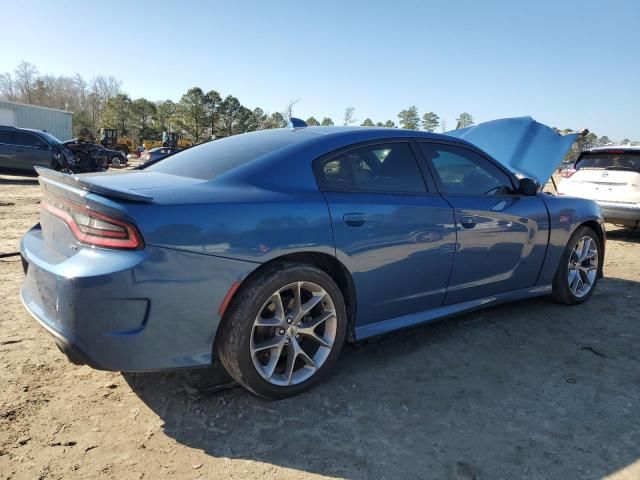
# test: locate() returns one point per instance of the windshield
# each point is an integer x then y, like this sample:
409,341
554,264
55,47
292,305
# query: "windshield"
610,160
50,138
217,157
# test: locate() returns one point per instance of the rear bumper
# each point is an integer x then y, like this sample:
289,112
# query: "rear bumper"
66,346
153,309
621,213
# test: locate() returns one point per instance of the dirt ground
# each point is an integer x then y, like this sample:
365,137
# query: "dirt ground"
531,390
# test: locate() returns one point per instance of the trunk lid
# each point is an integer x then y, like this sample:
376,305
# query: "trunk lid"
134,186
124,196
521,144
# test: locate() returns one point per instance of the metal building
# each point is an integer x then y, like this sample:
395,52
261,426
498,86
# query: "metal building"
56,122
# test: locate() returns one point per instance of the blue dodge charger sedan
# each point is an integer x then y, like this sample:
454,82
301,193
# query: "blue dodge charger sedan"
267,251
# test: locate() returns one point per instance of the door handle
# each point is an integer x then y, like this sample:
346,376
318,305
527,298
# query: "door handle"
354,219
467,222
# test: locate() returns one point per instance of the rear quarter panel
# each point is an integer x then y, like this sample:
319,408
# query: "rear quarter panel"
244,223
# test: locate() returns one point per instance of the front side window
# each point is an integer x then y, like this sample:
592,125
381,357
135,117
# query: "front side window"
27,139
463,172
5,137
51,138
380,168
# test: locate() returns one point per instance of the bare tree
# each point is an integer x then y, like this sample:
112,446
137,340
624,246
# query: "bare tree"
81,90
105,87
7,86
26,74
94,109
349,117
288,111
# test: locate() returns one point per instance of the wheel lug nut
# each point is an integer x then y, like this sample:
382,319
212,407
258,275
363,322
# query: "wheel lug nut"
287,340
281,331
298,324
289,320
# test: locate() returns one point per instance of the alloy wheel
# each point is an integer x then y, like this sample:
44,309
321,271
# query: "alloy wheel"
583,266
293,333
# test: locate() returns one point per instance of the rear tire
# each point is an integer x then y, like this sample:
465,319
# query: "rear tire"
283,331
579,268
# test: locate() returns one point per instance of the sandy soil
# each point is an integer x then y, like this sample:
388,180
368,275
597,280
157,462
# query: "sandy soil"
531,390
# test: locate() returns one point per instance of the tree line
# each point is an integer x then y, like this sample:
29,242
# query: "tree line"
199,115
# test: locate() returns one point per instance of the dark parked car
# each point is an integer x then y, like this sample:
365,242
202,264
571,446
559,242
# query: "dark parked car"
157,153
265,251
22,149
94,155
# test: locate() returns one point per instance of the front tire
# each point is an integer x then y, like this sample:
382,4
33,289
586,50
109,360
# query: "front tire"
283,331
579,268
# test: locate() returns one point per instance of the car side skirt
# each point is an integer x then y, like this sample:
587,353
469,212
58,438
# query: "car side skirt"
414,319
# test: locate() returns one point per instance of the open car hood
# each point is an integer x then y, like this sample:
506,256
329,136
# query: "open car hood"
521,144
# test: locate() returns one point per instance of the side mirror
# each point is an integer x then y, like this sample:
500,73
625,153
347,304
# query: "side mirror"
528,187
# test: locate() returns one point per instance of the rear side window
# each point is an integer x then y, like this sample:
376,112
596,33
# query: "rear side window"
5,137
619,160
215,158
380,168
463,172
27,139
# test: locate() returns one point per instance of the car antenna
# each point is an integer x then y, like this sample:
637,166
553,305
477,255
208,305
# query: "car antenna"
296,123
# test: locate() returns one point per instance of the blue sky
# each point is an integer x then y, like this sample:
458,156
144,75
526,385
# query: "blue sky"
566,63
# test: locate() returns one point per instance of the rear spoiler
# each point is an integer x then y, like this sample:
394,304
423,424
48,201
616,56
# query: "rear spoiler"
85,184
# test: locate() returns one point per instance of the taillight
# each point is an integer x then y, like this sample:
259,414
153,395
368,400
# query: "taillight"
94,228
567,172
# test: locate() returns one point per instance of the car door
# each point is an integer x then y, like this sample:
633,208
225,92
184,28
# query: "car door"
501,235
31,150
393,232
7,149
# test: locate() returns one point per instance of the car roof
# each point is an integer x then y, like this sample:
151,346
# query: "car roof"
300,136
10,127
368,131
303,137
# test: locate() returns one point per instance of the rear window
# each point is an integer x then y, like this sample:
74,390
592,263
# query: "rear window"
610,161
215,158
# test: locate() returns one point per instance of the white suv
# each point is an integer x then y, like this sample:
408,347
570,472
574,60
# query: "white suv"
611,176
